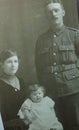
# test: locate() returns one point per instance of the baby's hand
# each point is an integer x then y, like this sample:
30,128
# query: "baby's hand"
20,114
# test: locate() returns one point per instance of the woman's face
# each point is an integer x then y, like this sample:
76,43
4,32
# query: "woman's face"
10,65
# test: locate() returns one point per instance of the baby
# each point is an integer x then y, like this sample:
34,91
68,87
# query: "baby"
38,110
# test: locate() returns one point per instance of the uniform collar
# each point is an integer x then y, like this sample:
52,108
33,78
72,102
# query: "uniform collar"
58,31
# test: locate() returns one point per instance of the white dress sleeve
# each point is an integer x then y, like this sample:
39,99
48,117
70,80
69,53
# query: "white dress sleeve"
50,102
25,106
24,112
56,125
1,123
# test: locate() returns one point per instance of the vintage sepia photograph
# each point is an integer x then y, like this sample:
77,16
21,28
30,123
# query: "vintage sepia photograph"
39,64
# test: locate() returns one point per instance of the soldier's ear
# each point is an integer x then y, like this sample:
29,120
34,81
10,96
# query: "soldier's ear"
63,12
0,64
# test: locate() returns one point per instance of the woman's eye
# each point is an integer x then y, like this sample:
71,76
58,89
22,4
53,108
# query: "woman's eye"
56,10
15,61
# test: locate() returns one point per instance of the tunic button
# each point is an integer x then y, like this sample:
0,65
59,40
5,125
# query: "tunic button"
73,76
54,63
54,54
56,73
63,65
54,44
15,89
54,35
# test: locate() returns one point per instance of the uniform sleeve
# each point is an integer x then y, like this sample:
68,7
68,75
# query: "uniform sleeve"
77,43
38,62
77,47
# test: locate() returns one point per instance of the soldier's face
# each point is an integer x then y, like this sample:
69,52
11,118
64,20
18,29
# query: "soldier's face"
55,13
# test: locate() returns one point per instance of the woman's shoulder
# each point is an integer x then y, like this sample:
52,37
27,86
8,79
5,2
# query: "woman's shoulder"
20,79
1,80
23,84
4,88
2,83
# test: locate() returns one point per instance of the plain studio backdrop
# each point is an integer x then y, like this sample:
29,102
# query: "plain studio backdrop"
21,22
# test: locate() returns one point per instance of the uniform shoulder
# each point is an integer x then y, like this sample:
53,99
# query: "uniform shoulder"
73,29
45,34
42,39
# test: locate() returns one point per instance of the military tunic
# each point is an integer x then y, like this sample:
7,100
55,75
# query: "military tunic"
57,67
57,61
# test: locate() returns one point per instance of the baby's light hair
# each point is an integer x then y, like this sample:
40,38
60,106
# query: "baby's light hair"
35,87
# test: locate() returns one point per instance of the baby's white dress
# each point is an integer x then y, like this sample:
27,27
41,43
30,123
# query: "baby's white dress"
43,114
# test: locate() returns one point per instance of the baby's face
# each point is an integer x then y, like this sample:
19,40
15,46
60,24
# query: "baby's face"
37,95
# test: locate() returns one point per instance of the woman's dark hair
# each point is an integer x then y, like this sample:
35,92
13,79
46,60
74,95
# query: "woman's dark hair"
7,54
35,87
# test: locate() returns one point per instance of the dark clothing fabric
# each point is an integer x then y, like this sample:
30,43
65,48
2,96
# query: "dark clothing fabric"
11,100
57,66
57,61
67,109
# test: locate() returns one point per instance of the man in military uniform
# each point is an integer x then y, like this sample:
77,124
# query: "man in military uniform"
57,63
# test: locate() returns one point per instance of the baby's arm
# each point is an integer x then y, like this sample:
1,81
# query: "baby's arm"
27,113
56,124
26,110
21,116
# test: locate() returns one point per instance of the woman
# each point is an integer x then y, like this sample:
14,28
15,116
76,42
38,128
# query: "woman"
12,88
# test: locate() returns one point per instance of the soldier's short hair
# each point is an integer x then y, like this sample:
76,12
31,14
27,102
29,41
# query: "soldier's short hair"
54,1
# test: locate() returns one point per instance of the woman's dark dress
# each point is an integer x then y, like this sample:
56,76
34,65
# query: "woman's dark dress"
11,100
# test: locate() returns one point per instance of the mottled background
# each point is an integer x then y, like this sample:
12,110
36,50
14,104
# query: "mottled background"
21,22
